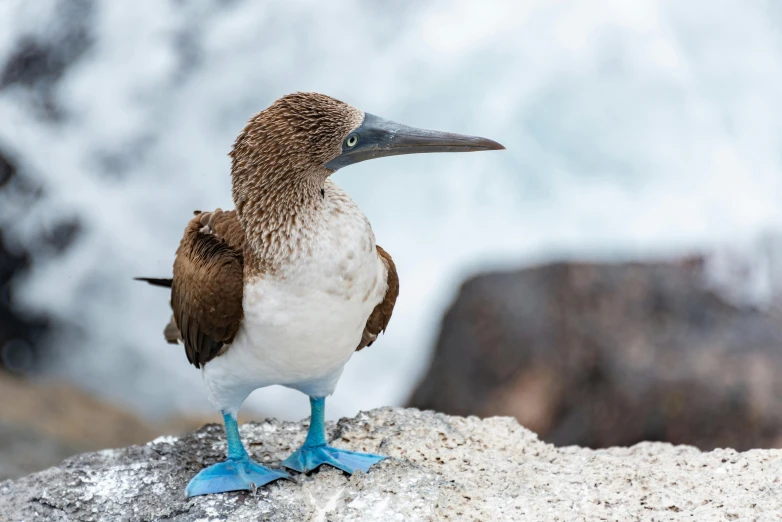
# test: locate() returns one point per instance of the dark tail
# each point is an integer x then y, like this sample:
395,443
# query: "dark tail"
155,281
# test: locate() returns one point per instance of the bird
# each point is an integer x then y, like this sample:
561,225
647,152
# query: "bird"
287,286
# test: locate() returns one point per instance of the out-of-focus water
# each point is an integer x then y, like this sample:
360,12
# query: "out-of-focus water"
633,129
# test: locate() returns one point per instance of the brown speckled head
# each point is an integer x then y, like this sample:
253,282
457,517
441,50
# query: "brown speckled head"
297,134
279,159
285,153
309,135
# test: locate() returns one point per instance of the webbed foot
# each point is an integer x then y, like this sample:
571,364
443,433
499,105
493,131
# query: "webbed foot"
308,458
232,475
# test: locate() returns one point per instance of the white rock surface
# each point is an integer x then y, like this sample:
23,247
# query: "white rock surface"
441,468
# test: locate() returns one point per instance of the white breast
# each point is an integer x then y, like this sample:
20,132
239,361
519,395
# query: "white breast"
303,323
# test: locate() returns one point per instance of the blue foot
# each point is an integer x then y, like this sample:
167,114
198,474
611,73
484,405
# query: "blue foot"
315,451
232,475
308,458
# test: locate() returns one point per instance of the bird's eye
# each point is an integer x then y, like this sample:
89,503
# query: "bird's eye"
352,140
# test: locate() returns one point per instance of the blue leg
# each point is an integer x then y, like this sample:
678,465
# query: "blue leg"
237,472
315,451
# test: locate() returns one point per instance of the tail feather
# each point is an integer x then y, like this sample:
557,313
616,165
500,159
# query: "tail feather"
171,332
155,281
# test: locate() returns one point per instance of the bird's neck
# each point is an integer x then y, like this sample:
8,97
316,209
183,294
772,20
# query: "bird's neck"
278,212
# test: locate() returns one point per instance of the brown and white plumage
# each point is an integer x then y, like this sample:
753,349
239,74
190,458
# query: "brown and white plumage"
381,315
207,283
206,291
287,287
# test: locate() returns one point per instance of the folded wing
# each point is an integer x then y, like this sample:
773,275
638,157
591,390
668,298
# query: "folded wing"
206,291
381,315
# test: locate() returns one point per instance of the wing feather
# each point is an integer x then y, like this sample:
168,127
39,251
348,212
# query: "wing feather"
206,292
381,315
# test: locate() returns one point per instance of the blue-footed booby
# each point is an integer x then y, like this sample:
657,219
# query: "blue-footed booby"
286,287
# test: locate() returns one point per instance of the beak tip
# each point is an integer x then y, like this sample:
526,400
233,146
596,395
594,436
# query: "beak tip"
493,145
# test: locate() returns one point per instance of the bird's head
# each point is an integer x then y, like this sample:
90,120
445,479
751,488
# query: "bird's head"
313,135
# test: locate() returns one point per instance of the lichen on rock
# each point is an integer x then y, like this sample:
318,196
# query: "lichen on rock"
440,468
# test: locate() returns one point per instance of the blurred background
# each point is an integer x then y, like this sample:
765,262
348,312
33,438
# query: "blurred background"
614,276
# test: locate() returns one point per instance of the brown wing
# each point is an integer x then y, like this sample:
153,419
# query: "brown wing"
206,293
381,315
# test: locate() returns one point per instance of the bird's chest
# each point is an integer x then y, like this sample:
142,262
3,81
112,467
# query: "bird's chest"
336,257
326,293
305,318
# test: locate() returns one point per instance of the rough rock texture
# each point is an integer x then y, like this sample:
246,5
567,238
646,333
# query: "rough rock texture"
441,468
603,355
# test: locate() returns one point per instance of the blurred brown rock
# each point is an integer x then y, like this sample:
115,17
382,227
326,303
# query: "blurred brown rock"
610,354
41,423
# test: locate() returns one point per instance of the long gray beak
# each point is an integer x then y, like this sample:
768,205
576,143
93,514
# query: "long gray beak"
377,138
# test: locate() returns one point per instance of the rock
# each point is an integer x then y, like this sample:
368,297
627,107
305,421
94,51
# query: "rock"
606,355
41,423
441,468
